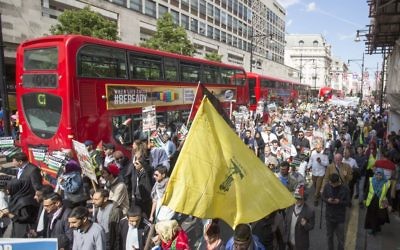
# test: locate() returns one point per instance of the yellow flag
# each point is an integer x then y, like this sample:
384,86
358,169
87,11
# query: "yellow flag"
217,176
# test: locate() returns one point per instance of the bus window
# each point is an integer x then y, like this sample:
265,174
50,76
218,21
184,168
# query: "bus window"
42,112
98,61
252,91
145,67
122,129
171,69
226,75
41,59
190,72
211,75
239,81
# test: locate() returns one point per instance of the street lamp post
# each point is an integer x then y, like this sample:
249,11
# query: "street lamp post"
252,44
362,74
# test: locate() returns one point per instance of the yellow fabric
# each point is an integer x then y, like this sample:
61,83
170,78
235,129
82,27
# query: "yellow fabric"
217,176
385,189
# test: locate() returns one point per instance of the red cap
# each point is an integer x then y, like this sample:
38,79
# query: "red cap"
112,169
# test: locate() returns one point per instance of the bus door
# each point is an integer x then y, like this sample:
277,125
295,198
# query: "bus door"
252,93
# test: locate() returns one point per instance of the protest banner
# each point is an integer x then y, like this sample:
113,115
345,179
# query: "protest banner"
149,118
31,244
84,160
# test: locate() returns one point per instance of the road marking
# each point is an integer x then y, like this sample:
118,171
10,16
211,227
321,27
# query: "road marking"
352,228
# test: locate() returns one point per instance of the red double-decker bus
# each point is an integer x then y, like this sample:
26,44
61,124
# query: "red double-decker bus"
270,89
326,93
76,87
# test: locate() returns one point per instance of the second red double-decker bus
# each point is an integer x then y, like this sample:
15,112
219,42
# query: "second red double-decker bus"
76,87
271,89
326,93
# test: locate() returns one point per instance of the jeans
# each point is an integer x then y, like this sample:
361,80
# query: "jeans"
338,229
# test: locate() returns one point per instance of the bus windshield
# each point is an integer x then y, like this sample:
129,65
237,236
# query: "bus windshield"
41,59
43,112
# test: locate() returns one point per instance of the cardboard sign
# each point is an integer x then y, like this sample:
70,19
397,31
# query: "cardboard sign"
84,160
149,118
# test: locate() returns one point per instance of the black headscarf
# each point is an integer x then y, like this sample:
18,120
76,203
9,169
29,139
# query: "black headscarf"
20,195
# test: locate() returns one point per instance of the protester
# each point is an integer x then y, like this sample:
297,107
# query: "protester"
116,186
87,235
244,239
299,221
336,197
211,239
318,162
107,214
377,202
22,208
27,171
58,226
158,211
133,230
172,235
72,185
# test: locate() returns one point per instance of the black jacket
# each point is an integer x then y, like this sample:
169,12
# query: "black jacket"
336,212
60,229
143,230
32,173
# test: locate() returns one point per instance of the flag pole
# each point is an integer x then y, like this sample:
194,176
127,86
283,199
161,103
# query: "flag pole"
193,103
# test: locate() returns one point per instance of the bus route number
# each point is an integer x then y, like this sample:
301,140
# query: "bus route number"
40,81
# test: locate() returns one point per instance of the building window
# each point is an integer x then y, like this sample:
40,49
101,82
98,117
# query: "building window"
175,3
315,43
203,9
185,5
194,26
229,22
136,5
223,36
210,12
217,16
202,28
185,21
120,2
175,16
229,40
162,10
217,34
150,8
210,32
301,43
194,6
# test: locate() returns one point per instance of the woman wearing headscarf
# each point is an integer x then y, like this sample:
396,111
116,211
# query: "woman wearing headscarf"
377,202
72,184
259,145
172,235
22,207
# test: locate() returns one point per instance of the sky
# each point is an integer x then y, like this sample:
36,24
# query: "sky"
338,22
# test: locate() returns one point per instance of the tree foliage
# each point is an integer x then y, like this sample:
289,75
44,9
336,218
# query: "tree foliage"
85,22
170,37
214,56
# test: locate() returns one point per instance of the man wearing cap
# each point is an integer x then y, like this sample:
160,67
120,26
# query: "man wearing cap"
299,221
336,197
116,186
243,239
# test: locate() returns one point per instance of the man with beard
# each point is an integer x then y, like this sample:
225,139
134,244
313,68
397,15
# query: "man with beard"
87,235
107,214
116,186
133,230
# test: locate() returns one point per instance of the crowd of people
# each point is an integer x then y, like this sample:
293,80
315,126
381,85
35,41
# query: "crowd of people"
333,155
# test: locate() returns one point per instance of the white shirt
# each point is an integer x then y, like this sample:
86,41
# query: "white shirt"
318,169
268,138
351,162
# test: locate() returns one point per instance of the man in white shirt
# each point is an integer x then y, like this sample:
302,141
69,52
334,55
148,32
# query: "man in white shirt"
267,135
318,162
